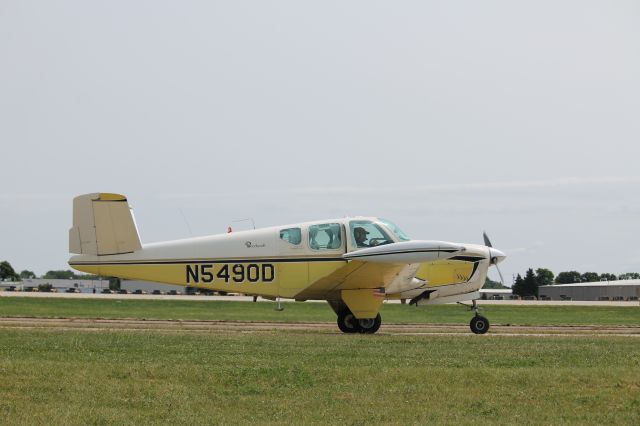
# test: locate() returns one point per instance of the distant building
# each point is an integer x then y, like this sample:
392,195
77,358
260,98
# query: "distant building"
149,287
9,284
601,290
496,293
83,286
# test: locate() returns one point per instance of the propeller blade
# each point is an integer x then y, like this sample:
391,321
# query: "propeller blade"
486,240
500,273
495,256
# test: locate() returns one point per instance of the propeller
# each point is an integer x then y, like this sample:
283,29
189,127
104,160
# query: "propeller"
487,241
495,256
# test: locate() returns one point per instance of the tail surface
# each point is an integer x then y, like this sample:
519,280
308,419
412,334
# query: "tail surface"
103,224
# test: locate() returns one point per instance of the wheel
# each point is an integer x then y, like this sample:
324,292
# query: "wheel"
347,323
479,324
370,325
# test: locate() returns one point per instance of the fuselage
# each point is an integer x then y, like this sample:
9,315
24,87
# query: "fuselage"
301,261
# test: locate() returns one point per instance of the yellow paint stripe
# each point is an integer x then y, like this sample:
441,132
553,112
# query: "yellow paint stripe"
107,196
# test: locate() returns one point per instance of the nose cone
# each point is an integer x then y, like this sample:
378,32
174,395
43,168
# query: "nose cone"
496,255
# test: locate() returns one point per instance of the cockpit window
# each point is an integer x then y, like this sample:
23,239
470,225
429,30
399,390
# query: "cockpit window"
291,235
365,233
325,237
394,228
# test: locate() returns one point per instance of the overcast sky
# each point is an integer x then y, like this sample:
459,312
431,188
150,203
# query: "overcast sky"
447,117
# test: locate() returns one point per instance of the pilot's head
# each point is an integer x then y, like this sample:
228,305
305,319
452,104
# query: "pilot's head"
360,234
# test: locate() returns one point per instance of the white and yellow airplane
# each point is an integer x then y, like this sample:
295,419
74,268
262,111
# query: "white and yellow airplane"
352,263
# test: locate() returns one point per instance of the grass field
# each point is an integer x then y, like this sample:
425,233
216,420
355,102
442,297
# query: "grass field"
123,377
56,376
311,312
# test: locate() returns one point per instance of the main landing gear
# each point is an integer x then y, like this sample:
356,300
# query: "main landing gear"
348,323
478,324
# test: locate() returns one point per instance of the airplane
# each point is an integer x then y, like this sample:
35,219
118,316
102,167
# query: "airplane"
354,263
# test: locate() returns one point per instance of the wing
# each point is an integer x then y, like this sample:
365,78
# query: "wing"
378,267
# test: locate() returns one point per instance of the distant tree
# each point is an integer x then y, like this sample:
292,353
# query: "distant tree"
89,277
489,283
70,275
544,276
608,277
530,284
25,275
60,275
590,277
7,272
114,283
518,286
46,288
569,277
629,276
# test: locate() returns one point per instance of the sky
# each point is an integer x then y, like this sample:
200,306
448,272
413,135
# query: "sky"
450,118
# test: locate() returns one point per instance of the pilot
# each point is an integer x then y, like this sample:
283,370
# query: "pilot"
361,236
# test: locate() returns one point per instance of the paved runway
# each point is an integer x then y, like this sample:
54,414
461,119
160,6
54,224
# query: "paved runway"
249,299
96,324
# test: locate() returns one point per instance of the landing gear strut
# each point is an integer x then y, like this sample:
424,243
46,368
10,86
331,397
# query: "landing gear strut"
478,324
348,323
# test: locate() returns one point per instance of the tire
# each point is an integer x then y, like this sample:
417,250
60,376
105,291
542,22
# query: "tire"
370,325
479,324
347,323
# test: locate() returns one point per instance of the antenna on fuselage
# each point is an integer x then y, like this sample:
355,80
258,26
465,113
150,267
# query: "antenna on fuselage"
186,222
249,219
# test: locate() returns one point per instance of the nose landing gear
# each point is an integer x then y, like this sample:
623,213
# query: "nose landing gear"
478,324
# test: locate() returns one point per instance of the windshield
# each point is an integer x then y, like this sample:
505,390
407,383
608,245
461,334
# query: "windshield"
394,228
365,233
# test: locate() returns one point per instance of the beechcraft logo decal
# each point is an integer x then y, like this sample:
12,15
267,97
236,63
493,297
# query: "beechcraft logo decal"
251,244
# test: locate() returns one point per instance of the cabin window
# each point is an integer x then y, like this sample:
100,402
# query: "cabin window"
325,237
365,233
291,235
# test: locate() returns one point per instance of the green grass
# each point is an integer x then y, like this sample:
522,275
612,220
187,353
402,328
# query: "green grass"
311,312
124,377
